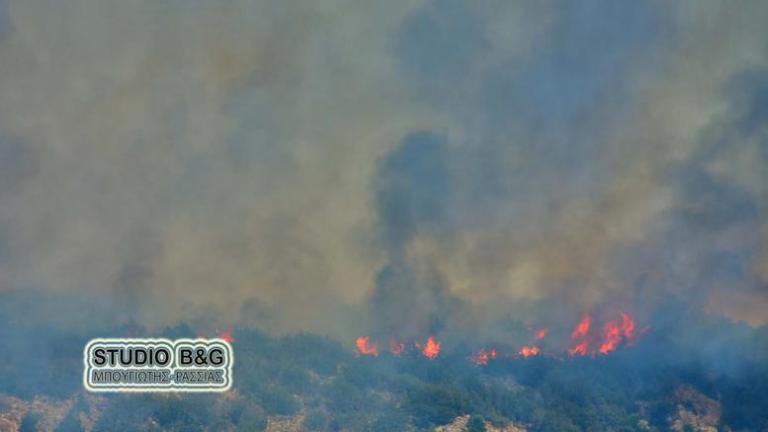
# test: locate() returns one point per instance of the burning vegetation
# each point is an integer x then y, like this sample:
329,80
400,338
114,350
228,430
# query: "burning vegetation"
396,347
226,334
585,339
365,347
315,383
482,357
431,348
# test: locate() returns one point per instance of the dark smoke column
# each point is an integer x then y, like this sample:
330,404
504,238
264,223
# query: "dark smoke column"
412,193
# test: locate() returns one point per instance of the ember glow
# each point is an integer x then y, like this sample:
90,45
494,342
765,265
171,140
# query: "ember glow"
431,349
586,339
616,330
366,347
611,337
396,347
226,334
582,328
628,326
529,351
579,342
482,357
579,349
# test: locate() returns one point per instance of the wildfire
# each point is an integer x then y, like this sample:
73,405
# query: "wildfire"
579,349
611,337
582,328
585,340
628,326
614,331
482,357
431,349
396,347
365,347
529,351
226,334
580,346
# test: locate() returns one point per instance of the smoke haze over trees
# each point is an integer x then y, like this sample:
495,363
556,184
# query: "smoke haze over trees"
414,172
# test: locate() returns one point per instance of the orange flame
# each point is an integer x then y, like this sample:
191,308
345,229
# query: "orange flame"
365,347
614,331
226,334
579,349
528,351
611,337
582,328
621,331
580,332
396,347
628,326
432,348
482,357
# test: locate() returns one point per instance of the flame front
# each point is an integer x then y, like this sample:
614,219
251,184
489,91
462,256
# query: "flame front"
529,351
628,326
611,337
580,345
582,328
396,347
226,334
584,341
483,356
614,331
431,349
365,347
579,349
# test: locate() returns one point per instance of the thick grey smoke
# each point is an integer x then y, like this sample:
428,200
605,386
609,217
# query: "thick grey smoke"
414,194
403,165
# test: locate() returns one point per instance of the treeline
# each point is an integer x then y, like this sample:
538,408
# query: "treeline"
634,390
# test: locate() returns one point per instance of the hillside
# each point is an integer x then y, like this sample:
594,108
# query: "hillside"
308,382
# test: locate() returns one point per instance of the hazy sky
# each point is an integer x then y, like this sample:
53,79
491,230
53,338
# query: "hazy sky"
285,162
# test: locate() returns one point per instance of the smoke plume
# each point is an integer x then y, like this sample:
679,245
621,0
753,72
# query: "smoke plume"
410,167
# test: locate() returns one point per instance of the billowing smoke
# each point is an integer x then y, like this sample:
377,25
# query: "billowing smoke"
410,167
183,162
413,200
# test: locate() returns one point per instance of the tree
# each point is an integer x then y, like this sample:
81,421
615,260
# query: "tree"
476,424
29,422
